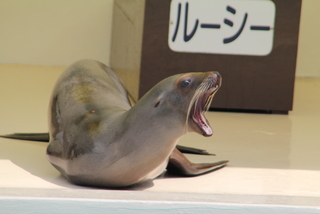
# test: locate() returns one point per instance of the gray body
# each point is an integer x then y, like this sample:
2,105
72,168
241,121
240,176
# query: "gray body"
98,139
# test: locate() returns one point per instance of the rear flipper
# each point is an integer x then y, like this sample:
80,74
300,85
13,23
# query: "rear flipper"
43,137
180,165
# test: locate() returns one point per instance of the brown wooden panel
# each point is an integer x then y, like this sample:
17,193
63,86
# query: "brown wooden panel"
249,82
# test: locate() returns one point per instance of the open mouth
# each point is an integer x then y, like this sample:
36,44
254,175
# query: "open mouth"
200,106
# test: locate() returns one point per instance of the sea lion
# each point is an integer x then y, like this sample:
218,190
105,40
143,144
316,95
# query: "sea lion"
98,139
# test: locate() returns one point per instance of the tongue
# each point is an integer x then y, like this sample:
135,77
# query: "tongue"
202,123
205,126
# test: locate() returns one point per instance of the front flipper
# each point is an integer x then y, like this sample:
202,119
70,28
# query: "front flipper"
180,165
191,150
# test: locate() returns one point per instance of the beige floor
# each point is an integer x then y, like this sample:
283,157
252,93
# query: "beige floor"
274,159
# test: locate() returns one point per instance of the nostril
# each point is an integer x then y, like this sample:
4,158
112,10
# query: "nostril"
216,74
217,77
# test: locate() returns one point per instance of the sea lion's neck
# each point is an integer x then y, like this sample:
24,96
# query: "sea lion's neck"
160,121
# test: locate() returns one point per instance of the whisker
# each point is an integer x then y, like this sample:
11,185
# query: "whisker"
194,99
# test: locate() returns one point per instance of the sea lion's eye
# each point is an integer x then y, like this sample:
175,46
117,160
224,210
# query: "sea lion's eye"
185,83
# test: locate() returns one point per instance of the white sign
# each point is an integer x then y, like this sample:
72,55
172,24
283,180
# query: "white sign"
241,27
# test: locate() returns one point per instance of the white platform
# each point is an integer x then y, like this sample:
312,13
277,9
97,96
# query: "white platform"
274,159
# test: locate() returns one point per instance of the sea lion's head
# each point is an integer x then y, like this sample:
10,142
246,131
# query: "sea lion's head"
184,99
203,86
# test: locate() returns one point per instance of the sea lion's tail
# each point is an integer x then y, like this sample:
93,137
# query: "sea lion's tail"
43,137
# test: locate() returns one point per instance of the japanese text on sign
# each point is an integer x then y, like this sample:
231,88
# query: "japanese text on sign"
242,27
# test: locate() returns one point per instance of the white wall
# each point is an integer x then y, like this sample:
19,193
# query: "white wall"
54,32
58,32
308,63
